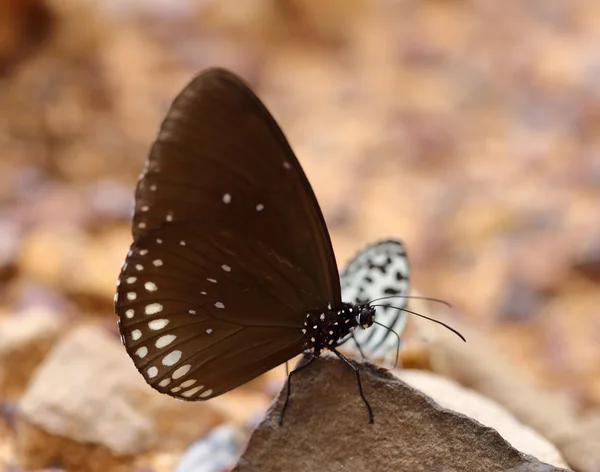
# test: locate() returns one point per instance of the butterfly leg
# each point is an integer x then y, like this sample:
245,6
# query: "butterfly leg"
351,336
356,371
289,386
362,354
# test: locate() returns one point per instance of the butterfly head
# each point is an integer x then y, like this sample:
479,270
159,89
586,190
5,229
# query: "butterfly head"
365,316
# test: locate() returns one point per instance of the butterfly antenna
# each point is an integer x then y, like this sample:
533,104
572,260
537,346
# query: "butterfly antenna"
416,297
426,317
397,337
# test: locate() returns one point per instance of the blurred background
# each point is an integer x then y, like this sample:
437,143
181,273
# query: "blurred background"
469,128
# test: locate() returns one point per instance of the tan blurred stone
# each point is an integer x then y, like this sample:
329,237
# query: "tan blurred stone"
87,392
25,339
54,255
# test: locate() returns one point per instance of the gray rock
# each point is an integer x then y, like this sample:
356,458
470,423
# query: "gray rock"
326,428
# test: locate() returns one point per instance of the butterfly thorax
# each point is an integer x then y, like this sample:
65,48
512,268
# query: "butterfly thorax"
323,329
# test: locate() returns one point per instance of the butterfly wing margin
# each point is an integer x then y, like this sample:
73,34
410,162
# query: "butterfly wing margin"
379,270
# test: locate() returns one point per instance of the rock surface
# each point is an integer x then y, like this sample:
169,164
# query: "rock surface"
86,399
326,428
453,396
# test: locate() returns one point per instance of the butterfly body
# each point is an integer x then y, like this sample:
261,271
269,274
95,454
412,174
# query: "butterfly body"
324,329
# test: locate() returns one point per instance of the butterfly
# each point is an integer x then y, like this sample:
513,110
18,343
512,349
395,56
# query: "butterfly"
378,272
231,271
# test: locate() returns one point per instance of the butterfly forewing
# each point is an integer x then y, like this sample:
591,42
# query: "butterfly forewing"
221,160
230,247
379,270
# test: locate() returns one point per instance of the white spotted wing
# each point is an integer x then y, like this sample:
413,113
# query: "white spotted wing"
379,270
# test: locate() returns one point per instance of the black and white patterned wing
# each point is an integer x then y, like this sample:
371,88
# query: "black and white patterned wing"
379,270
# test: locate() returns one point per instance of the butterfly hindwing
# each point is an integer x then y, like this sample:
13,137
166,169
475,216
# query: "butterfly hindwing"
379,270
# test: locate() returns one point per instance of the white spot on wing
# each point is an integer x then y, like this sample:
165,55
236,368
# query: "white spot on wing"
164,382
192,391
165,340
226,198
136,334
172,358
226,268
153,308
157,262
181,371
150,286
152,372
129,313
155,325
131,295
260,207
219,305
208,393
141,352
